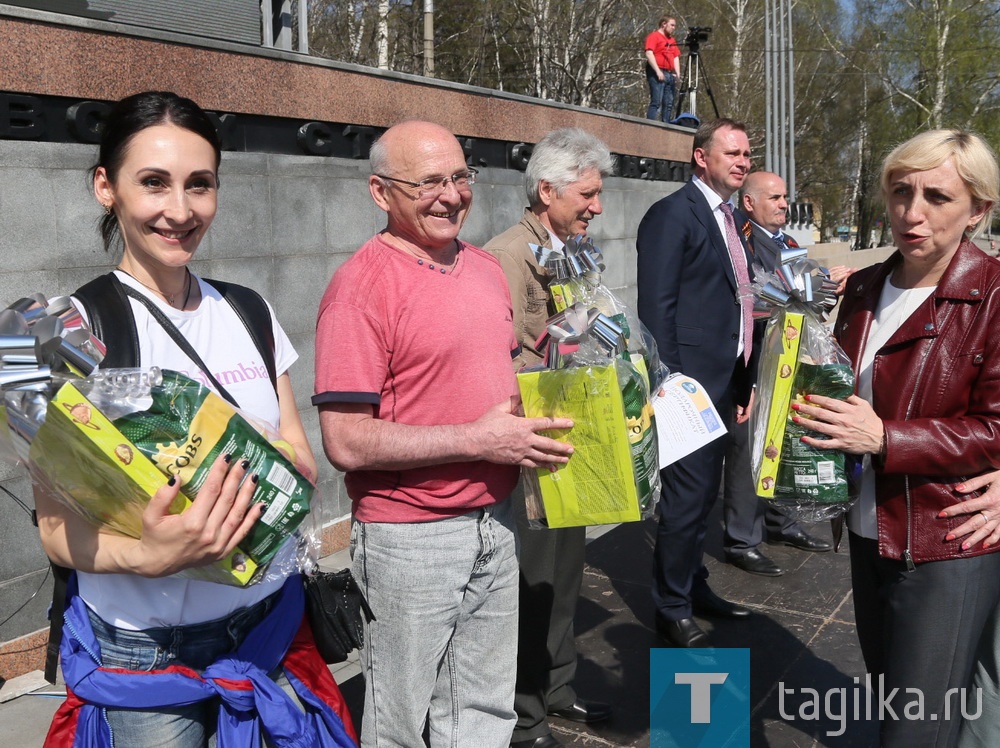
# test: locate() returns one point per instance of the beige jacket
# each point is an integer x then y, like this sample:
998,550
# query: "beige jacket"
528,282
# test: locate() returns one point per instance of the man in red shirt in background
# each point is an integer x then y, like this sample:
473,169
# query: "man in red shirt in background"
663,67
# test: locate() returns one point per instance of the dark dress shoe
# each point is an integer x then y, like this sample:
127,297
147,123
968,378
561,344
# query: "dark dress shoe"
685,633
708,603
587,712
755,562
546,741
803,541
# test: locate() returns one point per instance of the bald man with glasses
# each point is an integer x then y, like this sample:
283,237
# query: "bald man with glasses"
415,391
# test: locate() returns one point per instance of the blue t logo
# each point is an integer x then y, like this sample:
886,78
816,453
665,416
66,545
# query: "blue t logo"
699,698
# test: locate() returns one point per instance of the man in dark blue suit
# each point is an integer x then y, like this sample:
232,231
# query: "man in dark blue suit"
692,261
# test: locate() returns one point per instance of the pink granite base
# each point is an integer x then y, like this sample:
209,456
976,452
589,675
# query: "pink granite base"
336,537
23,655
82,63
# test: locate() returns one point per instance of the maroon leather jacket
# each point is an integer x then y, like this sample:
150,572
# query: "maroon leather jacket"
936,385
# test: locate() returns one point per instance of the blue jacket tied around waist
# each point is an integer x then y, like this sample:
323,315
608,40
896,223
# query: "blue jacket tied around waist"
251,701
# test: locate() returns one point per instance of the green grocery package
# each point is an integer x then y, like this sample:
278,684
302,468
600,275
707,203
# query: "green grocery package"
805,472
641,423
85,462
799,357
613,473
188,427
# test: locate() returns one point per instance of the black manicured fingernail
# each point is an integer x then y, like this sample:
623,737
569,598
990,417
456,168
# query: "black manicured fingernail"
172,481
245,464
263,507
255,478
227,458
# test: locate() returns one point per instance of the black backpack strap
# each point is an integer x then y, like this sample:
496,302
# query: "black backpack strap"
110,315
171,329
252,310
60,581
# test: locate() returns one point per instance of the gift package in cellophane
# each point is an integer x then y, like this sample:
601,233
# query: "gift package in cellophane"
799,358
102,442
575,273
599,366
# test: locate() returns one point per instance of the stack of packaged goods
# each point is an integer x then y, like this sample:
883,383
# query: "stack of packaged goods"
799,358
600,367
104,441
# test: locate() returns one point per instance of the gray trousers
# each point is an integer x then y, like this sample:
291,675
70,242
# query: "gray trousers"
442,646
985,729
922,630
746,517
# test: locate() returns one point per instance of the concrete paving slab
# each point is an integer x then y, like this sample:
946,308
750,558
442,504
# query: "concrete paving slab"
801,633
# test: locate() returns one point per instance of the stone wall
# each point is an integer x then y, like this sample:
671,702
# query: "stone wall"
839,253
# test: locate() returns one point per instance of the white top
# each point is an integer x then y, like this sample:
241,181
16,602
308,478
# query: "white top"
216,332
895,305
714,201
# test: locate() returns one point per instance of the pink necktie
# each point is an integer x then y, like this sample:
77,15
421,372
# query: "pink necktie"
739,259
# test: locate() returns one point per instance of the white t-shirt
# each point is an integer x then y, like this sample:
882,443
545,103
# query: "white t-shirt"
895,306
219,336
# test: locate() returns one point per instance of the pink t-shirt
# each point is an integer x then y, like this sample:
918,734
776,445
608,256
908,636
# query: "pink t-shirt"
425,348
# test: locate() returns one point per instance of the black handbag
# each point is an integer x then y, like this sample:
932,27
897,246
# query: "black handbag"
334,604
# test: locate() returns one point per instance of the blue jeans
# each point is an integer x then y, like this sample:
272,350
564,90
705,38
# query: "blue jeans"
196,646
661,95
444,644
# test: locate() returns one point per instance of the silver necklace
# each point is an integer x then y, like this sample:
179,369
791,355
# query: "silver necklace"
169,298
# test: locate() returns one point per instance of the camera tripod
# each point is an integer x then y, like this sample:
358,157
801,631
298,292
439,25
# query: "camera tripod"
695,70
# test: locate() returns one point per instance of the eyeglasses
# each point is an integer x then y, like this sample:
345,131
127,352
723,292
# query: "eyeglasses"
434,186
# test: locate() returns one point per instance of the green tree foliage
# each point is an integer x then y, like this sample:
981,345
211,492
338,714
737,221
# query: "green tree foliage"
937,60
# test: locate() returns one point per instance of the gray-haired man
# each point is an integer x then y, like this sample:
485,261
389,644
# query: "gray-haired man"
564,179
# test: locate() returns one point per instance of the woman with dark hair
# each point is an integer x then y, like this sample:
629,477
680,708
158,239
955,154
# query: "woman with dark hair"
157,180
923,332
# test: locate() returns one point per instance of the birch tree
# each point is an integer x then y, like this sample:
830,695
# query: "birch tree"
938,60
382,34
867,72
